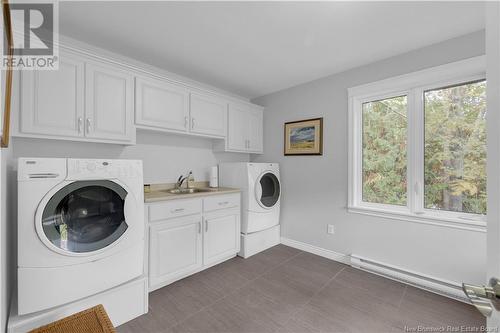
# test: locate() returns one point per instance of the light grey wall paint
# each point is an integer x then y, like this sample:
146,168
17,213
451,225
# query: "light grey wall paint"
315,188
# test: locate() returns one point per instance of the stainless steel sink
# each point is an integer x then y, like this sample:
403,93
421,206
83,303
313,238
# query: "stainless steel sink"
187,190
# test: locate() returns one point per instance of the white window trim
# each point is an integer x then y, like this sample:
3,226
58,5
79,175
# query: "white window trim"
413,85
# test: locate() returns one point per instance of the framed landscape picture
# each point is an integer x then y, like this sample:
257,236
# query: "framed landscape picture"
304,137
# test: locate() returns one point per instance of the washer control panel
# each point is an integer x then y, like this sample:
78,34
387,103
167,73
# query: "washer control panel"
100,168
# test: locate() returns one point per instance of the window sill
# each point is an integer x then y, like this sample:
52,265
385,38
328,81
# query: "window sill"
448,222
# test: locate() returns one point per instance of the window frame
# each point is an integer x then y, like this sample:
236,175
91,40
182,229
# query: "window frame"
413,85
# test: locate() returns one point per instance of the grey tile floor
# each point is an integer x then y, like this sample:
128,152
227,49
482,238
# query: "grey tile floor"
287,290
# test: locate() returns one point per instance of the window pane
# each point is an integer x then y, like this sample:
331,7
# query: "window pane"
455,148
384,151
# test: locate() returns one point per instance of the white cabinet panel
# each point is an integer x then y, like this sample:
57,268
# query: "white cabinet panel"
255,132
208,115
175,208
217,202
221,238
175,249
108,107
245,128
52,101
162,105
237,134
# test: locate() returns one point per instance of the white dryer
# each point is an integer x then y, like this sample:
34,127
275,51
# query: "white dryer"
80,228
261,194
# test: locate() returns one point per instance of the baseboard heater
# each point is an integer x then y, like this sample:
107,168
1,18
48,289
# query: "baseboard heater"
435,285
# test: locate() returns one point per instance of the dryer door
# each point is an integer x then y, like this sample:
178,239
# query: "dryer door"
84,217
267,190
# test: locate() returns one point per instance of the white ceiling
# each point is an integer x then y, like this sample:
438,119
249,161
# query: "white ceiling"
255,48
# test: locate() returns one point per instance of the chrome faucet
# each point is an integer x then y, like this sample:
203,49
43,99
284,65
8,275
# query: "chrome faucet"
181,180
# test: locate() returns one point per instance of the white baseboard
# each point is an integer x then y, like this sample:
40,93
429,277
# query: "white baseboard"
435,285
340,257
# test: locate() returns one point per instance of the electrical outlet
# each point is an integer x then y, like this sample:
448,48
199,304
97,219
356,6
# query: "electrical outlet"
331,229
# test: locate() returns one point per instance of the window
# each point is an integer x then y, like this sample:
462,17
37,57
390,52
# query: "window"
418,146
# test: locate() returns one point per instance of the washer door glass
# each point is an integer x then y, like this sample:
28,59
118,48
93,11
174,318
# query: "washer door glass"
270,189
85,216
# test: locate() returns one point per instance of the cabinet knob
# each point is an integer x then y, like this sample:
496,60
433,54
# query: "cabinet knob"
192,122
186,121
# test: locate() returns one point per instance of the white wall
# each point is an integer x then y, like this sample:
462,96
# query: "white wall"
493,77
6,228
315,187
165,156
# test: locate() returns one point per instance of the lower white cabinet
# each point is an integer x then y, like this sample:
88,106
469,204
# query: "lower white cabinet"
175,249
222,235
187,236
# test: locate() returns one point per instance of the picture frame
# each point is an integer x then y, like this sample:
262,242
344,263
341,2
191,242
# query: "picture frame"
303,137
7,89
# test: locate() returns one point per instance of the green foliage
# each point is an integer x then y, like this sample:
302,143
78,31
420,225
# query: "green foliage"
455,149
384,151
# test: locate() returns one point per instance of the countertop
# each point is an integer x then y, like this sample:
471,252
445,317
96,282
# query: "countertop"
160,193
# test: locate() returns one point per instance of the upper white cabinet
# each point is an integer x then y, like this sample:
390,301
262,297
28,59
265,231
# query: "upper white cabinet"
160,104
208,115
245,128
108,103
82,100
166,106
53,101
255,130
95,99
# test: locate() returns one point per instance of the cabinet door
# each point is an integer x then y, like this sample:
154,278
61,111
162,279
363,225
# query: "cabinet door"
237,135
255,132
108,103
161,105
175,250
208,115
221,238
52,101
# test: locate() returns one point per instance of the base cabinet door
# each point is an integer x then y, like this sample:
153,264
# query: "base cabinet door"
175,249
52,101
109,103
222,237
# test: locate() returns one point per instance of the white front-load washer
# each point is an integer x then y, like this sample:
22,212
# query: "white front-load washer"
80,228
261,196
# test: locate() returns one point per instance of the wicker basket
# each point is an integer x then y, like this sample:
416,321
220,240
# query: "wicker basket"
93,320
